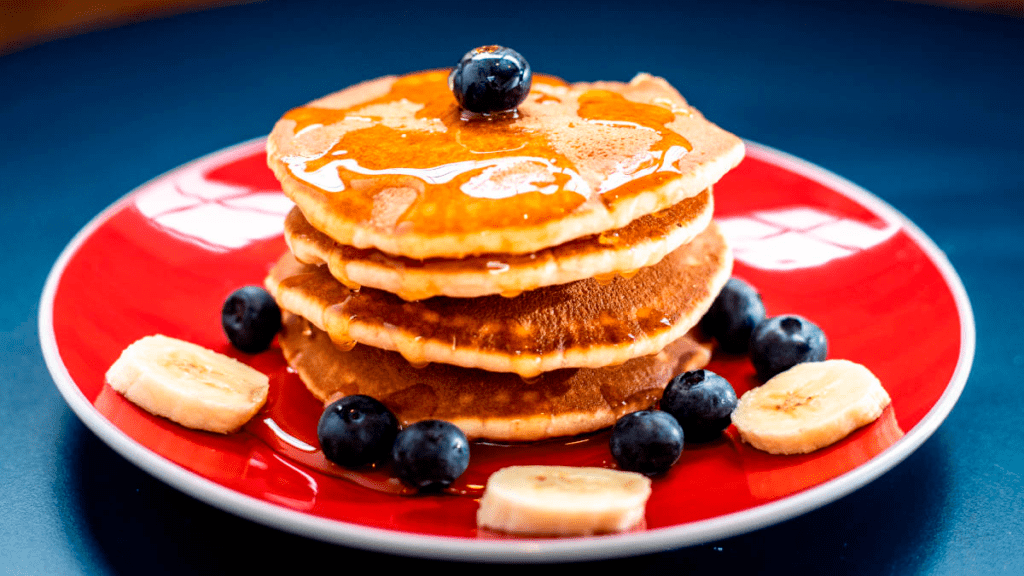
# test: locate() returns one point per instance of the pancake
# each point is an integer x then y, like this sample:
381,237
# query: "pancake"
580,324
493,406
393,164
642,242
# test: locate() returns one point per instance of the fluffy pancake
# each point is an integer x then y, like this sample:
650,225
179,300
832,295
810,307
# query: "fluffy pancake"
393,164
580,324
488,405
642,242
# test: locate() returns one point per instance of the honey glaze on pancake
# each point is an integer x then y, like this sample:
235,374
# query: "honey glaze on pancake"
653,168
495,406
412,161
643,242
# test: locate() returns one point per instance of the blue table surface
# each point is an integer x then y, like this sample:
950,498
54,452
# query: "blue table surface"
921,105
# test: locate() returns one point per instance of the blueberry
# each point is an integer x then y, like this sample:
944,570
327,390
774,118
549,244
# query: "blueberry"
733,315
356,430
250,318
702,402
430,454
777,344
490,79
648,442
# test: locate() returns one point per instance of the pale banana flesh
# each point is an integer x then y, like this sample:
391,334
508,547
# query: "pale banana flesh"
810,406
188,384
562,500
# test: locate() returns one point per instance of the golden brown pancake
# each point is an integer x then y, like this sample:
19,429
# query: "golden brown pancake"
493,406
580,324
642,242
393,164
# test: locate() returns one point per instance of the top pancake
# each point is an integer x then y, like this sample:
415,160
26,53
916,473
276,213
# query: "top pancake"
393,164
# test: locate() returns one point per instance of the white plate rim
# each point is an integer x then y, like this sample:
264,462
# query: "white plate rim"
532,550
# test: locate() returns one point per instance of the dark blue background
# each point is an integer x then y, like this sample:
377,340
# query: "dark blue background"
921,105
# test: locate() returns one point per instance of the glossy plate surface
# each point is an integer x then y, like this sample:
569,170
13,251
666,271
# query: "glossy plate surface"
163,258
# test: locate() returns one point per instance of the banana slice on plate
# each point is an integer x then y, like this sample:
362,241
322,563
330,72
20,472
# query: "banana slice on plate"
562,500
188,384
810,406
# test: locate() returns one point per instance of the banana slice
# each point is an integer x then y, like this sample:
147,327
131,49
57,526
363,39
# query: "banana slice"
809,406
186,383
562,500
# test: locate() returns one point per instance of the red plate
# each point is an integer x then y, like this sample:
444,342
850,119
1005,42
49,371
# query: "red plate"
162,260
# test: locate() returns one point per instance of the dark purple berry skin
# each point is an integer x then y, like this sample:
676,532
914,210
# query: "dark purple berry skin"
702,402
779,343
490,79
733,315
356,430
430,455
648,442
250,318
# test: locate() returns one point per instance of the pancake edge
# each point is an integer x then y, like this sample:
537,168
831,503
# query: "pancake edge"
548,269
418,350
523,429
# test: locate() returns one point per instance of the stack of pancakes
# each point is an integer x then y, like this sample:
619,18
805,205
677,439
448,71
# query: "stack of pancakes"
524,276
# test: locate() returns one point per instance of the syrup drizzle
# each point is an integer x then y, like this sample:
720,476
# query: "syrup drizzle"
411,160
659,162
